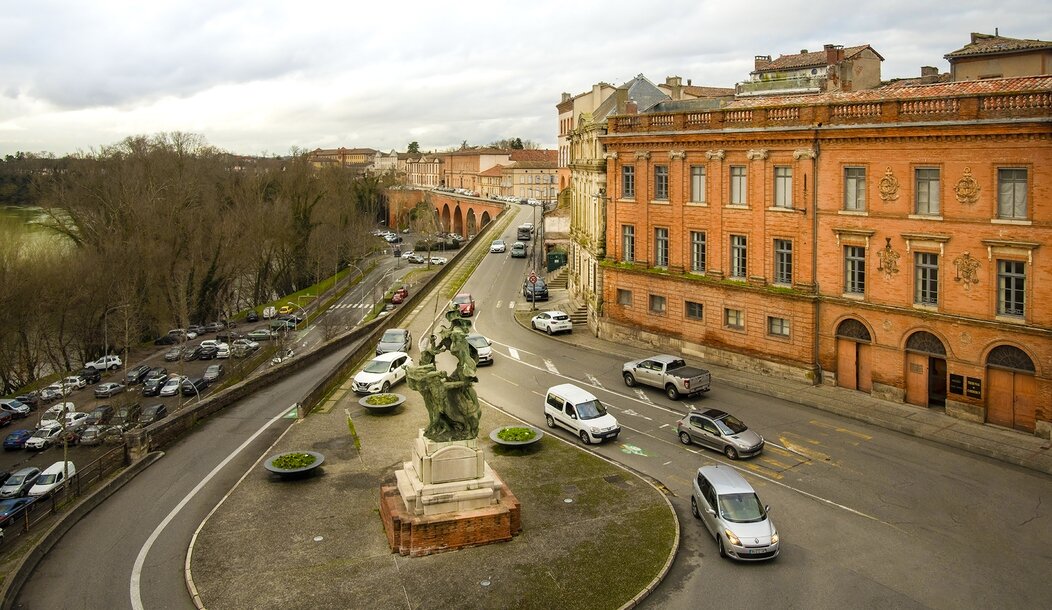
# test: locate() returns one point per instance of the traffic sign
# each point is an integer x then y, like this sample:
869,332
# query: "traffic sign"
533,277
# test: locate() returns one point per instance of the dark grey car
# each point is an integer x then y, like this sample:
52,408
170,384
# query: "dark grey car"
721,431
19,482
535,291
395,340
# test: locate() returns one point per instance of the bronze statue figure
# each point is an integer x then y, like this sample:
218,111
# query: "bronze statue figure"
451,401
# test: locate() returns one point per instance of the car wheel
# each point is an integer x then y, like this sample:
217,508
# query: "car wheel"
630,381
730,452
672,392
549,331
534,325
114,367
549,420
385,387
584,438
694,508
719,540
684,438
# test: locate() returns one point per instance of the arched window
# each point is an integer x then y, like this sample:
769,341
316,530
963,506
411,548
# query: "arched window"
853,329
1010,357
925,343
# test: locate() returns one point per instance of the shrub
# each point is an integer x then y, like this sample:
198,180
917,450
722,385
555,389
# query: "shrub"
381,400
292,461
516,434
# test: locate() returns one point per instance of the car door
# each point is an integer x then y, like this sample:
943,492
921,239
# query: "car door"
647,373
571,422
709,434
705,502
398,365
695,428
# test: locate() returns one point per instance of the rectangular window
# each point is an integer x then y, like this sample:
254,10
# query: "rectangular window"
697,251
1011,287
697,183
778,327
855,189
783,261
628,181
624,297
739,254
657,304
926,200
1011,193
733,318
926,278
738,185
628,243
693,310
661,247
783,187
661,182
855,269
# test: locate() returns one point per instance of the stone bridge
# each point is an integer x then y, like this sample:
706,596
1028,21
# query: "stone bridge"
456,213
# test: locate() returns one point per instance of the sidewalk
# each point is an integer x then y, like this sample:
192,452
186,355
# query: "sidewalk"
1018,448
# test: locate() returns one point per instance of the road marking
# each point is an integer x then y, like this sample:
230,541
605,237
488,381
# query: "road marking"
633,450
550,366
511,304
592,380
811,454
514,353
663,426
505,379
860,435
631,412
136,575
643,395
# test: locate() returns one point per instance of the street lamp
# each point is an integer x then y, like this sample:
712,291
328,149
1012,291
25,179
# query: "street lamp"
306,318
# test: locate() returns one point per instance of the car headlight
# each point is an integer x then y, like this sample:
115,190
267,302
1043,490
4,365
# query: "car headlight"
732,538
774,538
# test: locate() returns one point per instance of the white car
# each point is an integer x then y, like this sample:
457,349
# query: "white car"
76,420
53,477
51,418
282,356
552,322
44,438
222,351
14,407
483,348
55,390
171,387
498,245
580,412
439,260
106,362
382,372
248,344
75,383
408,254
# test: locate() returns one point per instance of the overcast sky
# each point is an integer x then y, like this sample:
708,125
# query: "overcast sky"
263,76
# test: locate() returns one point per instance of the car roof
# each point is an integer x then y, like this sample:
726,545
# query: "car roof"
57,467
552,312
389,356
572,393
725,480
714,413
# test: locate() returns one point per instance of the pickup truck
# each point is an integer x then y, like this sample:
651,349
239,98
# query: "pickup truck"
669,373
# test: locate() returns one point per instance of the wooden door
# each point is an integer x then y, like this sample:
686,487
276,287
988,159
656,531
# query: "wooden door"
865,367
846,363
999,397
917,379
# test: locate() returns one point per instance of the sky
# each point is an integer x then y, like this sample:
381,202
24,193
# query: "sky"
266,77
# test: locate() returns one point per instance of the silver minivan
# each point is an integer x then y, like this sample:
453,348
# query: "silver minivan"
733,514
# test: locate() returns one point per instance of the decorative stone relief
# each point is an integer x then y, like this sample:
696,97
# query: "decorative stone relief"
717,155
889,186
967,188
804,153
756,154
610,155
642,155
966,270
677,154
886,324
889,259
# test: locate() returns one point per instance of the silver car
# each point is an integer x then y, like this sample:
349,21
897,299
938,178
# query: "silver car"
721,431
394,340
733,514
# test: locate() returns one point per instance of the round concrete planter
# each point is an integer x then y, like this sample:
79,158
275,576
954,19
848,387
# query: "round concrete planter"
294,472
386,408
538,434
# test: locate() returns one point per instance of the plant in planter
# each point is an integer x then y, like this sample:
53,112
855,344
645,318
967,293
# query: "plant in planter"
294,463
516,434
382,400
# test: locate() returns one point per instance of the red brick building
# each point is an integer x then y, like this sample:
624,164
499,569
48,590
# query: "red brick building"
896,241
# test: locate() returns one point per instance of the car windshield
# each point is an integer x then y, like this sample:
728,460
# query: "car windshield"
731,425
675,364
741,508
377,366
393,336
15,480
462,299
47,479
591,409
478,341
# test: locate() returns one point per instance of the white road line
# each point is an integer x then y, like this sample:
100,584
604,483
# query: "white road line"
514,353
642,395
592,380
511,304
662,426
136,575
497,305
550,366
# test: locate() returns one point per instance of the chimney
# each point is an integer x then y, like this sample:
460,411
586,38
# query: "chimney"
631,107
834,53
803,51
688,82
566,97
675,85
673,81
929,74
761,61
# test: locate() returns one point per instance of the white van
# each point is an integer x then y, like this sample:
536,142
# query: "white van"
579,412
270,312
53,477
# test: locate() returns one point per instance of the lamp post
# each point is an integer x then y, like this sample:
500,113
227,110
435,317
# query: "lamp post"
306,318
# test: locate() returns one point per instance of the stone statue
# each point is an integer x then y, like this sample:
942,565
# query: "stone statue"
450,398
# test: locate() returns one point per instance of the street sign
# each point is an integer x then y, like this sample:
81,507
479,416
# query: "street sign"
533,277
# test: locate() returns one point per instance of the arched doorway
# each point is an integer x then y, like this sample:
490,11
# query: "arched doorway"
925,370
854,360
458,222
485,219
471,224
1011,388
445,218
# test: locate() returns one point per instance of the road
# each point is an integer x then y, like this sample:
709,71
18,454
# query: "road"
867,517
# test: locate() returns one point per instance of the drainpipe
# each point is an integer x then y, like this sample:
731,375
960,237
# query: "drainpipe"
815,146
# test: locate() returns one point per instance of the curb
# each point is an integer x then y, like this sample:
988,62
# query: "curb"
13,584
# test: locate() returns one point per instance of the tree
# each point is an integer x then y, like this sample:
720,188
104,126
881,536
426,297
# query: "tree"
414,148
517,144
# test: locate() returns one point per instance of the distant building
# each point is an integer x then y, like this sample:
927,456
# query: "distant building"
358,159
834,68
994,56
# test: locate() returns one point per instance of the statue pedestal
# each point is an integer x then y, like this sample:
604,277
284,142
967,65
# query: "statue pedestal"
446,498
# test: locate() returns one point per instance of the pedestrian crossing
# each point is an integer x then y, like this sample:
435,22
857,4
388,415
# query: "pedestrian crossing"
353,306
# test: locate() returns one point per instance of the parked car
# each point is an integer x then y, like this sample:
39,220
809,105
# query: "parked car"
152,414
126,416
721,431
247,343
535,291
214,327
518,250
552,322
17,439
55,412
269,312
191,352
580,412
733,514
416,259
401,294
110,362
54,392
53,478
482,348
166,340
19,482
171,387
438,260
136,375
30,399
222,351
407,254
90,375
14,406
382,372
74,383
173,354
193,387
260,334
100,415
669,373
157,372
208,352
106,390
213,372
498,245
76,420
96,435
395,340
13,509
44,437
252,316
152,386
465,303
6,418
282,355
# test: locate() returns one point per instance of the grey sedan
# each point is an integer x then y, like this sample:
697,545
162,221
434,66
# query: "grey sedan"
395,340
721,431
